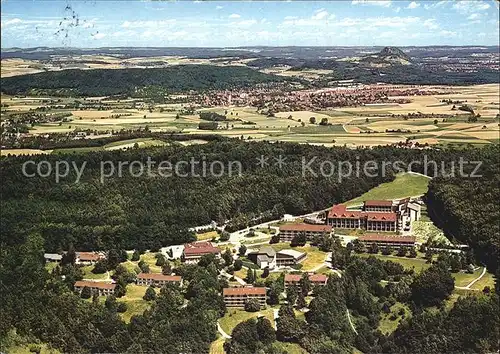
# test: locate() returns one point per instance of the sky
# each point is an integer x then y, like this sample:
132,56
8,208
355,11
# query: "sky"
105,23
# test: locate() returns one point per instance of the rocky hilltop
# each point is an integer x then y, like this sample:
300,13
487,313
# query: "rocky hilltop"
387,56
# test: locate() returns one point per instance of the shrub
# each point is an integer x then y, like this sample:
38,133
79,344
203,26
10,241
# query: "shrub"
252,305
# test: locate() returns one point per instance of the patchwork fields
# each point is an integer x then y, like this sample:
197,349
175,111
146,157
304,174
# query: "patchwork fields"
419,121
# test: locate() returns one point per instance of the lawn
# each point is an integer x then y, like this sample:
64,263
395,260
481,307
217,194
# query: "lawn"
425,230
388,325
135,303
488,279
235,316
49,266
87,273
290,348
250,241
242,273
418,264
405,185
325,270
463,279
217,346
149,258
207,235
120,143
23,349
314,258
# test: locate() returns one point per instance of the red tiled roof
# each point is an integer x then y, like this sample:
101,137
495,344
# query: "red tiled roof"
387,238
340,211
244,291
200,248
88,256
318,278
375,216
378,203
94,284
159,277
306,227
293,278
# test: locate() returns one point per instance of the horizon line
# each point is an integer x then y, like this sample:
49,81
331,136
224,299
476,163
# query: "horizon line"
265,46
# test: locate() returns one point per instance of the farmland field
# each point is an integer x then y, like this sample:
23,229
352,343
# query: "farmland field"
368,125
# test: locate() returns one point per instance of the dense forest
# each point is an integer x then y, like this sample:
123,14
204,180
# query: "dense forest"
468,211
150,211
104,82
145,212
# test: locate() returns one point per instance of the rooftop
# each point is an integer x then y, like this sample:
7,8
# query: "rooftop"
384,203
268,250
244,291
291,253
94,284
374,216
54,256
88,256
340,211
202,247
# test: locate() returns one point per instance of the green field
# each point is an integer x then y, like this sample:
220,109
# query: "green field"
405,185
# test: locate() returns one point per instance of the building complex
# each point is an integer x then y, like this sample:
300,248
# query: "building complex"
315,279
267,257
375,215
238,297
289,231
100,288
193,252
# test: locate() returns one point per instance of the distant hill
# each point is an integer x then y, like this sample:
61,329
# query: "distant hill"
104,82
387,56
